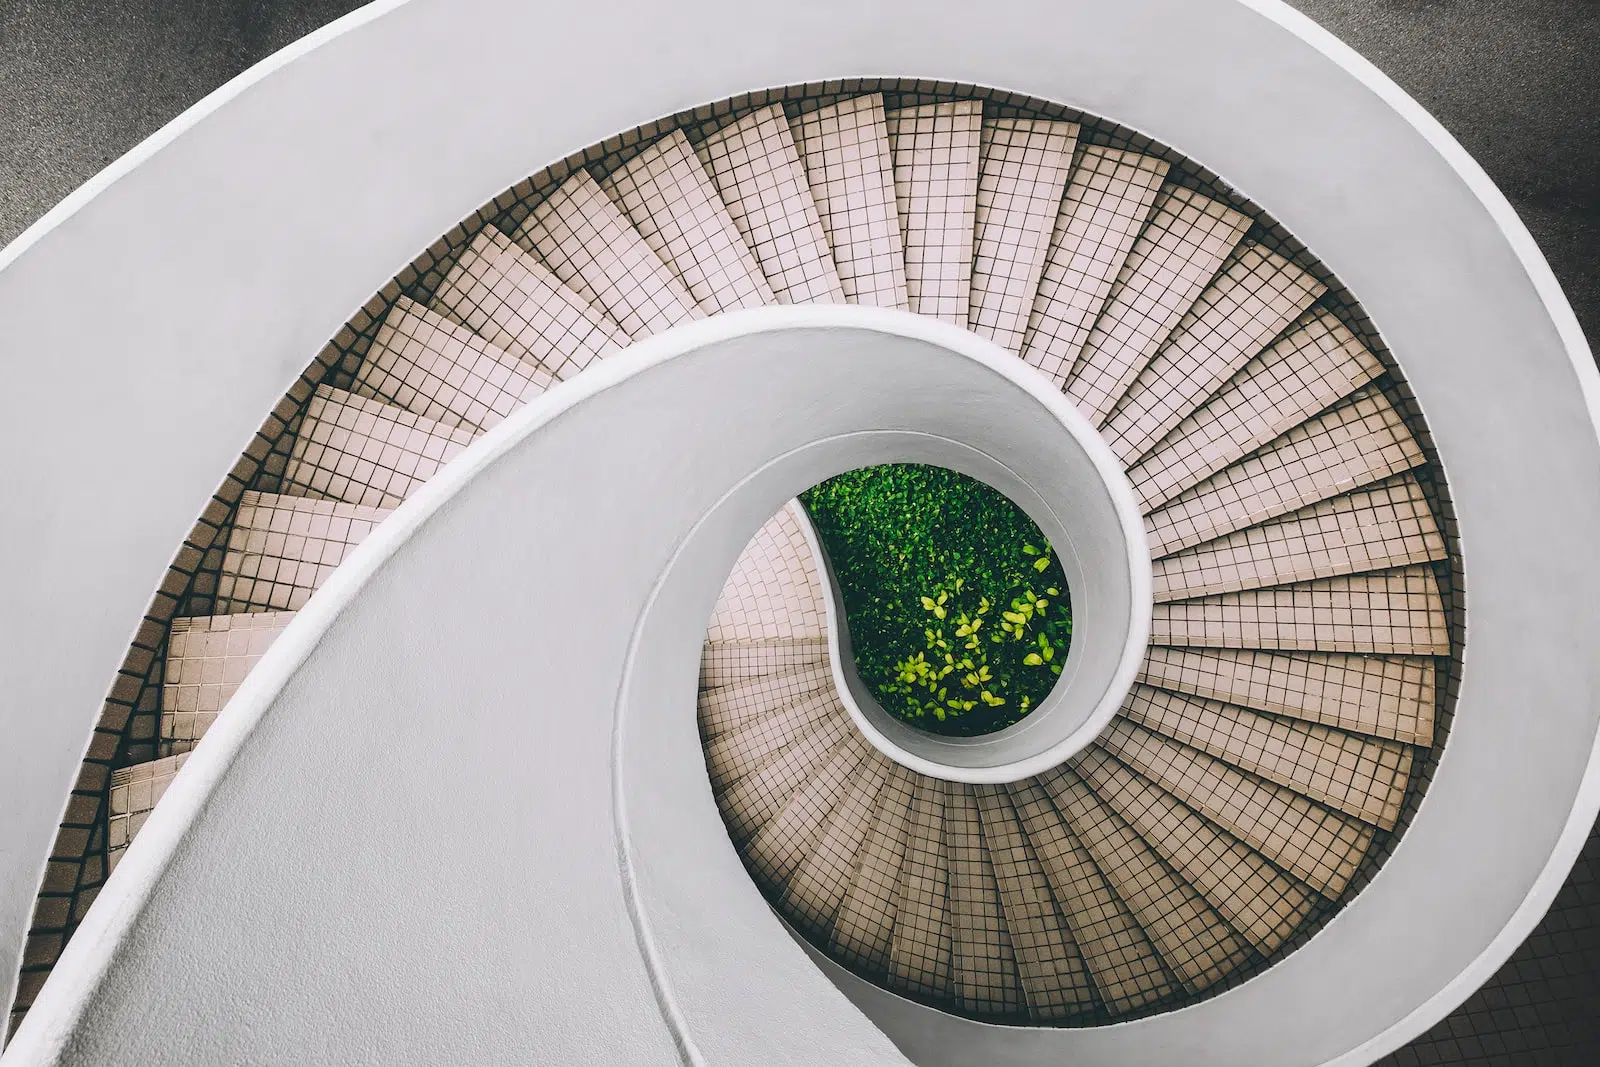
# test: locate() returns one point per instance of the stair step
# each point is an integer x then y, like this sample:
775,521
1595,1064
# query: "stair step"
757,171
817,888
362,451
207,659
724,663
1391,696
1361,440
581,235
920,946
423,362
1127,972
1192,939
1396,612
134,793
862,930
774,590
1104,208
1179,251
1319,362
281,548
1382,526
755,798
1054,981
983,963
1318,846
517,303
746,750
733,706
1257,900
672,202
782,842
1022,175
1258,295
845,150
935,149
1361,776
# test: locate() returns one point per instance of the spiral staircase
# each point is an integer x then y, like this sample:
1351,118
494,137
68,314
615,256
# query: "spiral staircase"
1305,655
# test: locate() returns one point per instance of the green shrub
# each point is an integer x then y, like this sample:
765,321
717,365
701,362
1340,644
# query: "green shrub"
958,610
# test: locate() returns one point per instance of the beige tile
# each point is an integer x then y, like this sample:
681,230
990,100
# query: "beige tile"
1387,696
516,303
1255,298
983,964
1105,205
366,452
1191,938
1181,248
1317,363
845,150
1022,175
207,660
672,202
757,171
442,371
936,148
595,251
921,944
1361,440
1384,525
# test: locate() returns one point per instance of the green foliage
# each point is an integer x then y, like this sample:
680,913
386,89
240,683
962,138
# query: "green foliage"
958,609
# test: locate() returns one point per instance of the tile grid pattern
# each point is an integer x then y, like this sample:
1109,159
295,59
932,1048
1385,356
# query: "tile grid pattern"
424,276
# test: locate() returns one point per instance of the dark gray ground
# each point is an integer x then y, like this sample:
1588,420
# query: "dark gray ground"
1517,81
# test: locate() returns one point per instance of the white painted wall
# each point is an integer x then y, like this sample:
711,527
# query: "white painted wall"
143,344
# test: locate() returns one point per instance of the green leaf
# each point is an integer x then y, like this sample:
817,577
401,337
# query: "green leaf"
1029,550
1041,563
1032,659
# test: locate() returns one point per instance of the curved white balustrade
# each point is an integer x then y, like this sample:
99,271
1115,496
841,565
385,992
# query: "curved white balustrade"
353,821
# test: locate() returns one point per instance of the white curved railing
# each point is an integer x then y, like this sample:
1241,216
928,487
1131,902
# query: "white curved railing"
323,147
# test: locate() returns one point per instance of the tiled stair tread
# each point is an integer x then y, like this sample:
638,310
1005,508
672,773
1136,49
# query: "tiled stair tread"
1256,297
1055,983
1358,441
1022,175
724,663
983,964
672,202
1315,365
281,548
862,930
920,947
752,800
367,452
207,659
757,171
1361,776
1191,938
1317,845
784,840
747,749
1396,612
1379,527
592,247
1127,972
1388,696
517,303
1104,208
732,706
935,148
1179,251
845,150
774,590
817,887
133,794
423,362
1253,896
